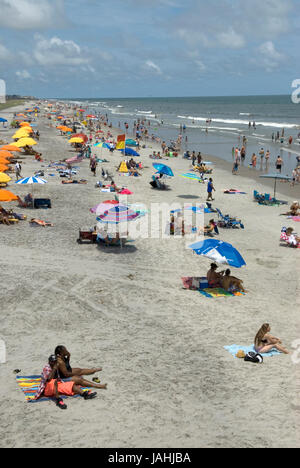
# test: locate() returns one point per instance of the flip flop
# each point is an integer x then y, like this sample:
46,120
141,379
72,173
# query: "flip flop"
96,380
89,395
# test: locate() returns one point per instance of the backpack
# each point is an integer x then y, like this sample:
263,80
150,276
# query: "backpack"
254,357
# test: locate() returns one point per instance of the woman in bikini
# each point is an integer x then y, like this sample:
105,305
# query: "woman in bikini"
214,279
264,342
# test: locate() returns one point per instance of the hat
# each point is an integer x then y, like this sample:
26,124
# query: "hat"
240,354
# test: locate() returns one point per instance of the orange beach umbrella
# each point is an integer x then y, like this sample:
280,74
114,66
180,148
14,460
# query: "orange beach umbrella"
10,148
6,196
6,154
3,167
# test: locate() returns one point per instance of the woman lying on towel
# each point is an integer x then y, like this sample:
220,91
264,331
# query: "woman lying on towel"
264,342
231,283
39,222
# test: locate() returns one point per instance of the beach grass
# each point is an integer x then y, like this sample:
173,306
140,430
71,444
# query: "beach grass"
12,103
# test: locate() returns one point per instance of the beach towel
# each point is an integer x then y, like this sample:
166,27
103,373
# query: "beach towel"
294,218
233,349
30,384
234,192
194,283
219,292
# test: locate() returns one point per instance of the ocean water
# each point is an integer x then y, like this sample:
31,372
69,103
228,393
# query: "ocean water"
230,117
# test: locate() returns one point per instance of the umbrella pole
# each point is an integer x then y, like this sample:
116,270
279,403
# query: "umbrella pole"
275,189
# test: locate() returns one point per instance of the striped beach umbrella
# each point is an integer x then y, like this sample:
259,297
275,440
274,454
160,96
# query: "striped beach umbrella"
31,180
118,214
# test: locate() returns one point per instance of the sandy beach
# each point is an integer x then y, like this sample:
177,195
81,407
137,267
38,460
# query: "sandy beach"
170,381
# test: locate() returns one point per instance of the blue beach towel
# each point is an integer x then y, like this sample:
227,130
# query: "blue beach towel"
233,349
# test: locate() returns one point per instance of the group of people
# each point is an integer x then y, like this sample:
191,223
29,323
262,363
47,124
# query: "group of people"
59,379
224,279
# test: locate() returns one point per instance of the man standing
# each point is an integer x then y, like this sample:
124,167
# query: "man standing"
210,188
18,169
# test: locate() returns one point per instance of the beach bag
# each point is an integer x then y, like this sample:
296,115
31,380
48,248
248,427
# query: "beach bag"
254,357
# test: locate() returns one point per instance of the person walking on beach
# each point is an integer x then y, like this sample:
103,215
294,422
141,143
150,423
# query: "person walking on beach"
210,189
93,165
254,160
279,164
18,169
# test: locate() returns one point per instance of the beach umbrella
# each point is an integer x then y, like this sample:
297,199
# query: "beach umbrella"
24,124
6,154
118,214
10,148
4,160
276,177
76,140
4,178
219,251
26,142
81,135
103,207
163,169
21,133
2,120
3,167
31,180
129,152
6,196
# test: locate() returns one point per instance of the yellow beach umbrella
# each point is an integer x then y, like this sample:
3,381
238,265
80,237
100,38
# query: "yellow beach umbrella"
76,140
20,134
26,142
4,178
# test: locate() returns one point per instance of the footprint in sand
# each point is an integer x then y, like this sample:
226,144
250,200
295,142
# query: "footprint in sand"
267,263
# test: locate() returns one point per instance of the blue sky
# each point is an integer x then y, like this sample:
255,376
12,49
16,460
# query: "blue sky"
142,48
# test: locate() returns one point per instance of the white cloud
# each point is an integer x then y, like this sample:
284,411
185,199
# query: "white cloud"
231,39
23,75
58,52
149,65
268,57
31,14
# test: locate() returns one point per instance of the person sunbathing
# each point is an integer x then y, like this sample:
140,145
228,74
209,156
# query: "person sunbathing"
213,277
264,342
231,283
39,222
52,386
294,210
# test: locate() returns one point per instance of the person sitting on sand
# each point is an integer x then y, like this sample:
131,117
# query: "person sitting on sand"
288,236
265,343
52,387
231,283
66,372
39,222
27,203
294,210
210,229
213,277
4,219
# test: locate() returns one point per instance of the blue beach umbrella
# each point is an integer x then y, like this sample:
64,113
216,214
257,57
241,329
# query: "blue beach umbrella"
129,152
2,120
220,252
163,169
276,177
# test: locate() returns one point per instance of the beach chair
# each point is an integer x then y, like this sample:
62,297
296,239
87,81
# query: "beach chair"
229,222
90,236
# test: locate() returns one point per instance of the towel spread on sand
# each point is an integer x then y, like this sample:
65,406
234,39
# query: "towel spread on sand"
234,192
30,384
233,349
219,292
